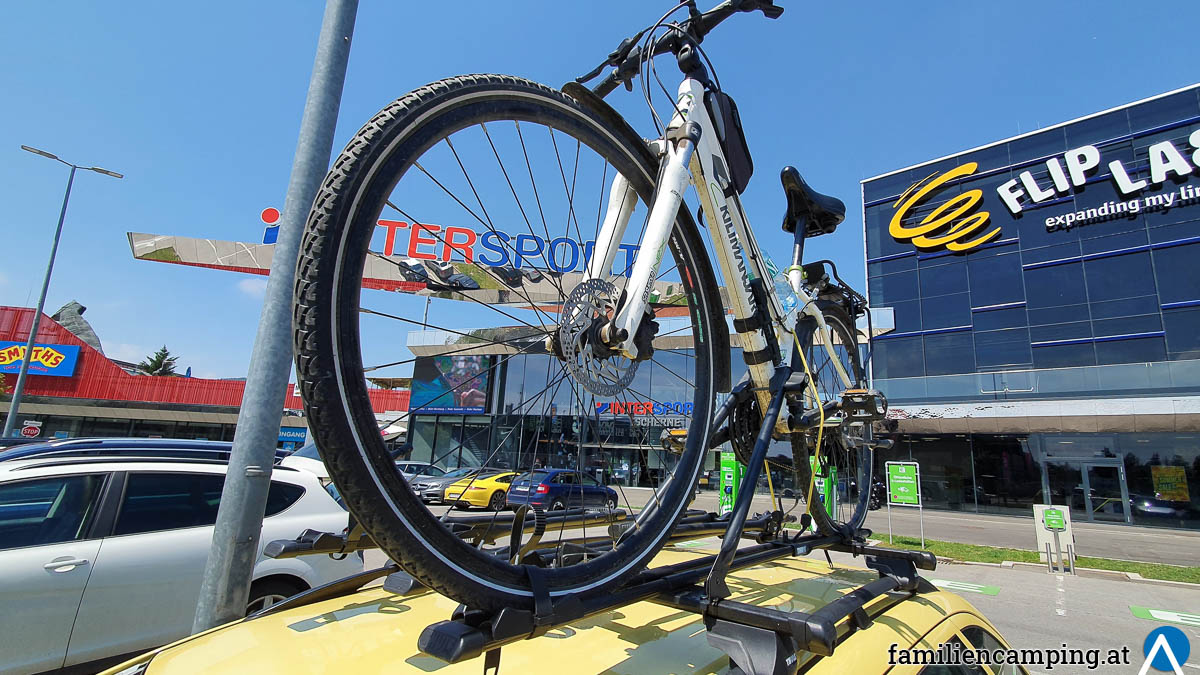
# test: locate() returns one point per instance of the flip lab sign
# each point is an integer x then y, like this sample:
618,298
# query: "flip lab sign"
904,483
56,360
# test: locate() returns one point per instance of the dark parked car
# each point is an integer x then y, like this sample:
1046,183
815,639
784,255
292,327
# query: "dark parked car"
554,489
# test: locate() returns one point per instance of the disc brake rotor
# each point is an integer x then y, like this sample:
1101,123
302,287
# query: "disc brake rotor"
604,376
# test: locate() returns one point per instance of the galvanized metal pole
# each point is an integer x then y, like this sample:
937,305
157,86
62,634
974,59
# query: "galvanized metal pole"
235,546
19,389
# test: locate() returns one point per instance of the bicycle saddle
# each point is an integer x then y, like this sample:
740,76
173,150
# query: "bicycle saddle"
821,213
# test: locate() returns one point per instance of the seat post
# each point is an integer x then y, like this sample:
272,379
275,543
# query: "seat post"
798,248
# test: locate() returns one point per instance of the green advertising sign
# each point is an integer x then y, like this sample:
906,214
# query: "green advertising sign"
1054,520
731,477
903,483
824,486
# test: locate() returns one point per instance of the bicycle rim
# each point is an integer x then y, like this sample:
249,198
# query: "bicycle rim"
519,164
840,473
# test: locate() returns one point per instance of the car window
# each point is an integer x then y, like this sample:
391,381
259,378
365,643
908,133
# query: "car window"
47,510
565,479
282,495
308,451
957,669
505,479
588,480
167,501
981,638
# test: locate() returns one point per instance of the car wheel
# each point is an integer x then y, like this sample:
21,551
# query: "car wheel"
610,503
557,505
497,502
268,592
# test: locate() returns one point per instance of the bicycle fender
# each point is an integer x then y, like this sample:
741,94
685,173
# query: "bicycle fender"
716,312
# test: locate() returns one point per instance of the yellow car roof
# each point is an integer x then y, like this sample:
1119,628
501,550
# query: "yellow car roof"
376,631
482,479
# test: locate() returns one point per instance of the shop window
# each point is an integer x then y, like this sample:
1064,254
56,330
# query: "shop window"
1162,472
1175,271
947,311
1140,350
998,348
1007,474
1183,332
1111,309
1115,242
1059,251
1121,276
996,280
947,480
949,354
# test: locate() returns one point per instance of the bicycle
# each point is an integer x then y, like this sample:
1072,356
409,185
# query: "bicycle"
599,326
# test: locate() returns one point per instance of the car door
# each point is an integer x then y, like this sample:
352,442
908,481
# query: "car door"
573,493
146,579
593,493
47,556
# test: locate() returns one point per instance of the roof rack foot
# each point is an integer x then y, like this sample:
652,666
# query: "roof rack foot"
753,650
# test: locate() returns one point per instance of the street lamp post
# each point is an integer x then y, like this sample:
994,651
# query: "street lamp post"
19,389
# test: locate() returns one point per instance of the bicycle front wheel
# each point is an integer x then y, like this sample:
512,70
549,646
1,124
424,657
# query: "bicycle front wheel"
836,478
502,185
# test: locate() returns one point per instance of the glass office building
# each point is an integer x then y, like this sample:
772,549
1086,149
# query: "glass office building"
1046,297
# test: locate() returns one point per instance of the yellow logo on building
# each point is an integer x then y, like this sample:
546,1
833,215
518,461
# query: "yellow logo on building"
47,356
951,225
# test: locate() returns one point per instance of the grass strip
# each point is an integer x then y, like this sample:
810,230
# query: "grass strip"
995,554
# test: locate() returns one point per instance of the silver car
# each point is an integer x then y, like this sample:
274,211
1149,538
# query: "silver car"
103,556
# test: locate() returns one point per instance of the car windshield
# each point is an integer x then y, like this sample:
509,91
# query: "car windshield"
308,451
462,471
418,469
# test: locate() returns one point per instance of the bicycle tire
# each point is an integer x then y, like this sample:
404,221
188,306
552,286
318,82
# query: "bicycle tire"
330,366
837,442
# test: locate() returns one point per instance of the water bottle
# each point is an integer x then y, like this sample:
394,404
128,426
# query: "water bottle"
787,297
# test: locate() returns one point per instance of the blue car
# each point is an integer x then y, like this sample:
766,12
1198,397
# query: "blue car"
555,489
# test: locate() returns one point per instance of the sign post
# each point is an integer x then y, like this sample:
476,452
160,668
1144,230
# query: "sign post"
1053,525
904,489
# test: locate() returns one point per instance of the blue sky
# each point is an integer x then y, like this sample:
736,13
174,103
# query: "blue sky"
199,104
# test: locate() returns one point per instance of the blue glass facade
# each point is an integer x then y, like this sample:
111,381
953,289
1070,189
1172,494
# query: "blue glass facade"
1092,291
1046,295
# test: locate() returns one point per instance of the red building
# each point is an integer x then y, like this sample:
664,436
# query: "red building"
74,390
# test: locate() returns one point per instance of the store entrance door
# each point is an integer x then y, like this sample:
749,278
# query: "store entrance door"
1095,489
1106,494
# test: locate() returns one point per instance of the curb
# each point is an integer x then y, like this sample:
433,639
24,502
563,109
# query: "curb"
1092,571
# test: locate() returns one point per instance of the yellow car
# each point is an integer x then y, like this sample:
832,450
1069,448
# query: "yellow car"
484,491
374,630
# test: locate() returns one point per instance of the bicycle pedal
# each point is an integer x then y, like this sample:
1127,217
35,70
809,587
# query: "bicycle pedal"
673,440
863,405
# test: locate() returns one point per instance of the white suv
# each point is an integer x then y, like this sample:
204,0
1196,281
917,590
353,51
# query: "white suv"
102,556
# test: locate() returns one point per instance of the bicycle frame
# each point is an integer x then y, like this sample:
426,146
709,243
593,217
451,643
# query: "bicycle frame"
702,163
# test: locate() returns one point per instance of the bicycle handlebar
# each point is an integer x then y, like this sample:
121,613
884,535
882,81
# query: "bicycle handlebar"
626,58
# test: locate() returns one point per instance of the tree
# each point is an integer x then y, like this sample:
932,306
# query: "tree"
159,363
